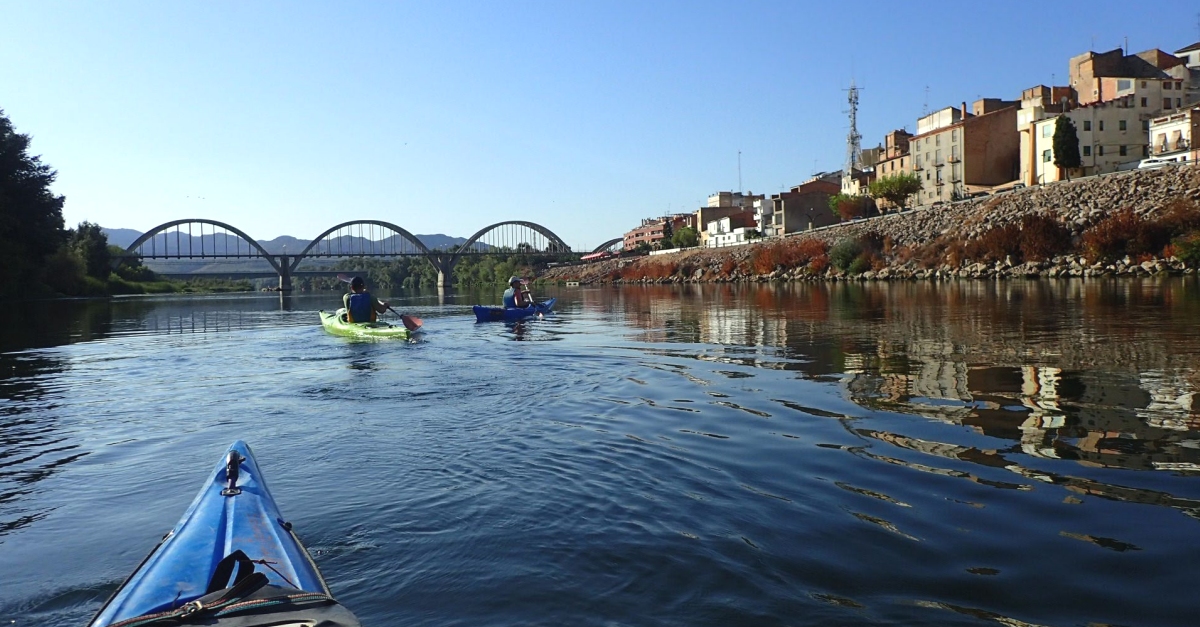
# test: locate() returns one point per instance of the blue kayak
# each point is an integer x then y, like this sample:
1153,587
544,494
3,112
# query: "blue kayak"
232,522
496,314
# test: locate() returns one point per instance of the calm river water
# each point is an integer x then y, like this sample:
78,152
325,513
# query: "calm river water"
971,453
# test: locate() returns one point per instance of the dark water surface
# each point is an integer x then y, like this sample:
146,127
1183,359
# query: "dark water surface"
912,454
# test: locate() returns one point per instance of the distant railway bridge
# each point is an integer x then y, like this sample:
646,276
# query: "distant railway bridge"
200,238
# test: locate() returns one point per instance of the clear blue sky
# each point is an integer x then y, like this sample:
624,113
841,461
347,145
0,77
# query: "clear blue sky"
284,118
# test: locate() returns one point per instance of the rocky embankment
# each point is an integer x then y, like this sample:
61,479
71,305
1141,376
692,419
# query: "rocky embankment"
1077,205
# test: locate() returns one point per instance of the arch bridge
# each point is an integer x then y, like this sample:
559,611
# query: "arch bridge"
201,239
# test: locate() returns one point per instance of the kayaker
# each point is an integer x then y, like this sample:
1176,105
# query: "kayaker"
515,297
360,305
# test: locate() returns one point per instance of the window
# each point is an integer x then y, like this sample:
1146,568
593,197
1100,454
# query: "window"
1122,150
954,151
1100,151
1143,84
1178,102
954,135
1121,125
1145,125
1144,105
1179,85
937,141
1046,154
1102,125
1048,130
1087,151
937,157
1087,125
1124,83
1166,103
1167,85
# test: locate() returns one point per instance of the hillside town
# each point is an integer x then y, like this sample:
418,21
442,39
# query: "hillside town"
1126,112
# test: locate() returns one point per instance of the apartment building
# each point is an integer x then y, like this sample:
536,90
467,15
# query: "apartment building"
956,152
803,207
722,205
894,160
1037,104
1112,136
1153,80
729,231
1174,136
653,230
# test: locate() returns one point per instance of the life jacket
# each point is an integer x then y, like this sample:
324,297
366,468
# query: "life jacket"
361,308
510,298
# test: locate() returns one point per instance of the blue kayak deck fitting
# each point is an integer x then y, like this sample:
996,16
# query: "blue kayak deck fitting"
496,314
222,519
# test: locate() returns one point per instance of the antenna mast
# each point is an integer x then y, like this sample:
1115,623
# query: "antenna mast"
739,171
853,139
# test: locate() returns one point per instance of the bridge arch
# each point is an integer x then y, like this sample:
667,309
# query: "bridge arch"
387,225
609,244
148,235
545,232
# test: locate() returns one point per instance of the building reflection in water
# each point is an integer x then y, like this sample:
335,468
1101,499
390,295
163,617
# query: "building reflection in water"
1100,373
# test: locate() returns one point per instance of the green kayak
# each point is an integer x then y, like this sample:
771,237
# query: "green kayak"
336,324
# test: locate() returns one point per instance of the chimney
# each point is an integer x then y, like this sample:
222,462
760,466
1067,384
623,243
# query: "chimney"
964,110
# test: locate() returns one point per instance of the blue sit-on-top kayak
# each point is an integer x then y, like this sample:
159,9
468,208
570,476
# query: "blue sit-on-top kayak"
494,314
231,560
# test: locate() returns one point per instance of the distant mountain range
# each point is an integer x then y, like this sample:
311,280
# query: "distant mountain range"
125,237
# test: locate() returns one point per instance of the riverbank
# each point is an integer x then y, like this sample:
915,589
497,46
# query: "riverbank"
1128,224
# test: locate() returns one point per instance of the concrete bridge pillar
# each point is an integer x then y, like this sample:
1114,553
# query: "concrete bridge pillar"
285,273
445,270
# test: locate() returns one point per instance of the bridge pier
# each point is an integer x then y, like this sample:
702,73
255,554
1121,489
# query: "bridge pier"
445,270
285,274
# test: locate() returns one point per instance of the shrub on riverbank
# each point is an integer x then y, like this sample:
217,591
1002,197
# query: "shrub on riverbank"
789,253
1127,234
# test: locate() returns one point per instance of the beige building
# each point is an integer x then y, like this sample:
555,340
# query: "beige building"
894,160
1111,137
956,152
1173,136
1037,104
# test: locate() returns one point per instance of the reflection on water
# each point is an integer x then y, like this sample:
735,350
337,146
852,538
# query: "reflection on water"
1022,453
1099,372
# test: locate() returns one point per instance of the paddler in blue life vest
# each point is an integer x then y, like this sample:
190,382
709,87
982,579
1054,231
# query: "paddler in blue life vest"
360,305
517,295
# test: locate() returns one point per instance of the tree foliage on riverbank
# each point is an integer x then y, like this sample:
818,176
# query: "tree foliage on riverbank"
40,257
31,222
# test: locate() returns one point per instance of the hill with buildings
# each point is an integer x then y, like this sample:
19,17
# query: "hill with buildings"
1141,222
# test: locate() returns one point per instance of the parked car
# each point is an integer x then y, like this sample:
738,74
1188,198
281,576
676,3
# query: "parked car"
1156,162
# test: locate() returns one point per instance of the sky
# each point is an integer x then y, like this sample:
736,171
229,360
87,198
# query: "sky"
584,116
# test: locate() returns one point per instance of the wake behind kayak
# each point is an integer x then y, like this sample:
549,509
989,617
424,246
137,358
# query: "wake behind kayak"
231,561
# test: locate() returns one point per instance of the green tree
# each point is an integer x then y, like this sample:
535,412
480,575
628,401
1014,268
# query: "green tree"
31,222
1066,145
685,237
90,244
896,188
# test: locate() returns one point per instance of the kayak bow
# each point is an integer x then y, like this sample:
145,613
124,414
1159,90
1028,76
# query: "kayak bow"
189,576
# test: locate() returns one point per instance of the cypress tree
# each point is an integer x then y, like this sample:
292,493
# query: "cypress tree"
1066,145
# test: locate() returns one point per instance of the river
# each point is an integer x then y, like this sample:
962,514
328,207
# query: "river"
968,453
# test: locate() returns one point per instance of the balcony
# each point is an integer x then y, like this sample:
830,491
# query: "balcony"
953,159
